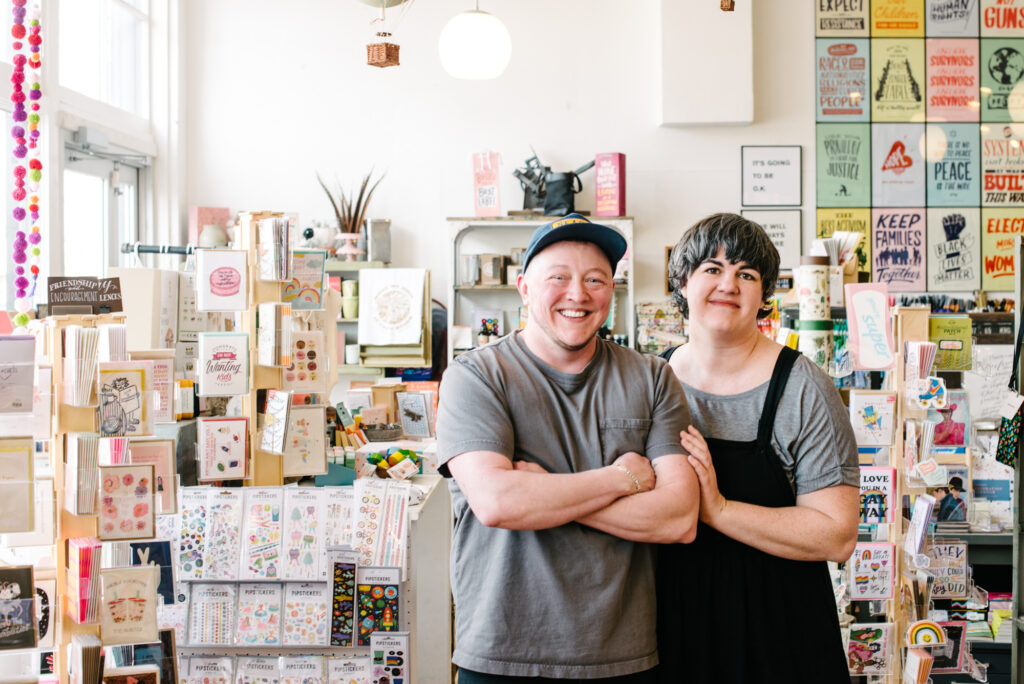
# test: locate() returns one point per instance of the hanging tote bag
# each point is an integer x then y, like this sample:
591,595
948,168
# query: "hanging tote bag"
1009,429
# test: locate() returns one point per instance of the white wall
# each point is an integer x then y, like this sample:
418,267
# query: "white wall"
279,90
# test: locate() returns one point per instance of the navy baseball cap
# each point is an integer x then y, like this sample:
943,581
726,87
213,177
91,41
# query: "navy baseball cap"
577,228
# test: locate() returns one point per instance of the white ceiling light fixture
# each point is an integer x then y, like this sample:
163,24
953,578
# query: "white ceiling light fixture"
475,45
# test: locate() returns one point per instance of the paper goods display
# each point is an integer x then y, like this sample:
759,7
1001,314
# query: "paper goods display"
223,364
222,280
17,370
128,613
391,305
17,484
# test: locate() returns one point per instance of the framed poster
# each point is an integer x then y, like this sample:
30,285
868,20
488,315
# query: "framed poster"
771,175
784,227
897,166
954,249
946,19
1001,18
851,220
897,80
952,79
898,249
843,165
1002,165
841,19
842,79
953,165
999,228
897,18
1002,70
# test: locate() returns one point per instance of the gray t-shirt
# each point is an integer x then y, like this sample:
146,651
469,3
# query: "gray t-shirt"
812,435
570,601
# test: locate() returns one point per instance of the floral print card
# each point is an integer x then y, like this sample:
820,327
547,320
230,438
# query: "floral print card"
127,503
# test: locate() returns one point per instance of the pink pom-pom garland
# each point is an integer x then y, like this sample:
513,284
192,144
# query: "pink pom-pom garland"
26,44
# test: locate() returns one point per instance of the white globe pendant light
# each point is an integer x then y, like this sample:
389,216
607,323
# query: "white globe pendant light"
475,45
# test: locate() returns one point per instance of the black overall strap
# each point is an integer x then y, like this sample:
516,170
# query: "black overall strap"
787,357
1016,356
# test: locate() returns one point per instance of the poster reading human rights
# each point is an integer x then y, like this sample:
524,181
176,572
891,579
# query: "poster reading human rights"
951,18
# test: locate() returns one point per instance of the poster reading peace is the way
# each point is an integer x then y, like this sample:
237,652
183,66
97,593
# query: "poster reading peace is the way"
954,249
1002,18
843,165
851,220
1002,165
999,228
897,18
953,169
952,79
1002,71
897,167
847,18
842,83
951,18
897,80
898,249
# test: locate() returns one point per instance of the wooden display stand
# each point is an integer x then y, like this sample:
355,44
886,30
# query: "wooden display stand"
68,419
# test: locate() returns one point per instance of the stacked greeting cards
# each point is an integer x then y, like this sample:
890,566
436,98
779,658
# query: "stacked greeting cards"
156,554
113,342
162,381
223,445
873,416
877,488
128,611
17,608
17,484
223,364
80,350
127,503
953,421
870,648
872,569
305,451
308,362
81,474
273,334
124,398
83,590
222,280
17,353
161,455
275,423
305,289
273,249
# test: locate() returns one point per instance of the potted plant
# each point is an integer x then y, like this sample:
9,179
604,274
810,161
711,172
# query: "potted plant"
349,208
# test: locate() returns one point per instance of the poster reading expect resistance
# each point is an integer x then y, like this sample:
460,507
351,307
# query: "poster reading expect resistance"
842,83
848,18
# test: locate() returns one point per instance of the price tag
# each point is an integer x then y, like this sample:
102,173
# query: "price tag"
1011,404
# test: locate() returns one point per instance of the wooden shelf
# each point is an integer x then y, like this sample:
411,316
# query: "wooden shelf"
359,369
349,320
340,266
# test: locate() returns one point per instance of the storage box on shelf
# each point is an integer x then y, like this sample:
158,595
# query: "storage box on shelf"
499,236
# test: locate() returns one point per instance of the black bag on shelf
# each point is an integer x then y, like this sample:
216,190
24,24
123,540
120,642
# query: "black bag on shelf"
561,189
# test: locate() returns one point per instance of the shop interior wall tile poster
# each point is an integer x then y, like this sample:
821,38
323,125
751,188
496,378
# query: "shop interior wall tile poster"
914,111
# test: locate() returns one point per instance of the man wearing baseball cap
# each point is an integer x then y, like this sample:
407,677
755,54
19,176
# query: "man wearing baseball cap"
564,457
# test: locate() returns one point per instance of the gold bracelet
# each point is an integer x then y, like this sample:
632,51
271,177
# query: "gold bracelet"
636,482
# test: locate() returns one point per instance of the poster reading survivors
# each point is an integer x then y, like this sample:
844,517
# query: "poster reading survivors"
854,221
952,79
842,80
843,165
951,18
953,165
847,18
999,230
1003,18
897,18
897,80
897,173
954,249
898,249
1002,70
1002,165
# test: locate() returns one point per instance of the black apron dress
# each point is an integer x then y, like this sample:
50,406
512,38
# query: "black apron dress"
729,613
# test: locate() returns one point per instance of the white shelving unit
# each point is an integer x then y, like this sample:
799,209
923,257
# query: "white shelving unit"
501,235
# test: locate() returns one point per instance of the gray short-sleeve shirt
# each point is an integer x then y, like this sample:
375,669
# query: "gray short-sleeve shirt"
570,601
812,434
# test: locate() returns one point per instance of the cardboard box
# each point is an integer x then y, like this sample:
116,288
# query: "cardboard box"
492,269
384,395
150,298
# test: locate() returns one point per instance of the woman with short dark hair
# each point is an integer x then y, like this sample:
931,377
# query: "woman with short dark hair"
774,451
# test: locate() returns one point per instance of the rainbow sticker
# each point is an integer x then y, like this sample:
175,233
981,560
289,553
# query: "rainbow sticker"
925,633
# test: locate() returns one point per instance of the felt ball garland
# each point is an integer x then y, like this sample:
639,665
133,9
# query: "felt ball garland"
26,44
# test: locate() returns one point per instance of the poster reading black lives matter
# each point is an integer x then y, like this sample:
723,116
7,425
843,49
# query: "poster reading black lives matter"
842,166
842,84
1002,165
951,18
954,249
1002,70
897,167
897,80
898,249
841,18
954,170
